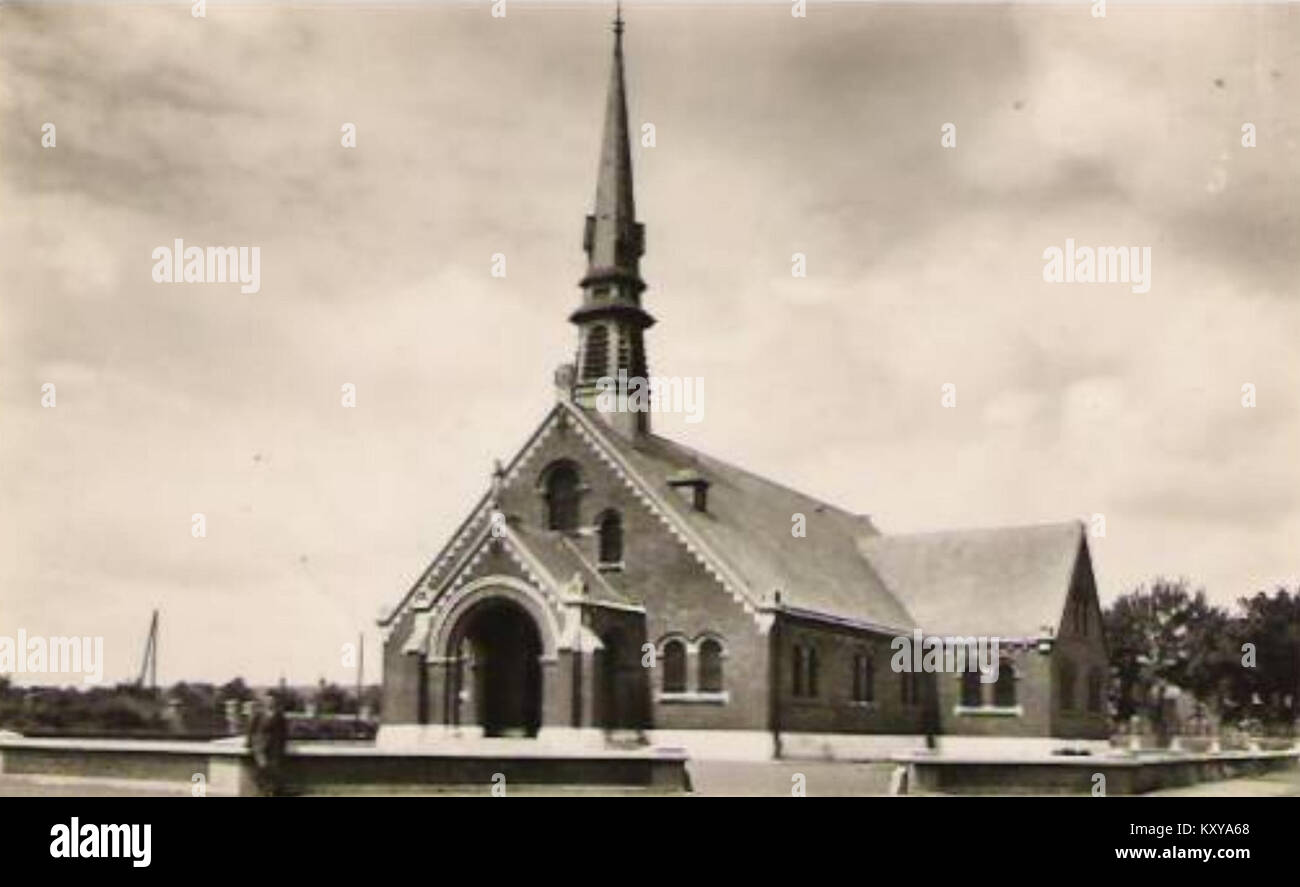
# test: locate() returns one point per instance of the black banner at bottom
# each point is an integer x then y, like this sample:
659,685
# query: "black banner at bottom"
362,835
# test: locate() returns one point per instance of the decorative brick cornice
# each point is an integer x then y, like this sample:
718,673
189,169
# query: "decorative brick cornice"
431,608
469,535
469,529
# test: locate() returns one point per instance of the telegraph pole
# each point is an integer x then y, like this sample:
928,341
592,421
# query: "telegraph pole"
361,668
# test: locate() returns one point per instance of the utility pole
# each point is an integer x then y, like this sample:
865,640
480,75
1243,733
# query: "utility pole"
149,666
361,668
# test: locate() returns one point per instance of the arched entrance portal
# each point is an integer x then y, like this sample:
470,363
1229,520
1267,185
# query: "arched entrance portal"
499,672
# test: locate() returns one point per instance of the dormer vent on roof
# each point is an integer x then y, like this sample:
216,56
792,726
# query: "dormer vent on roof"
689,482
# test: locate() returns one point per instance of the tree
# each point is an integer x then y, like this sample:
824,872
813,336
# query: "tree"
197,707
1270,688
1163,638
235,689
289,698
331,699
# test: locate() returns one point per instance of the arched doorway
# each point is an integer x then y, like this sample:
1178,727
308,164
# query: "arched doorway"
499,669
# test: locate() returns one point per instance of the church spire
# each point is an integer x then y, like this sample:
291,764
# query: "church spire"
611,320
615,237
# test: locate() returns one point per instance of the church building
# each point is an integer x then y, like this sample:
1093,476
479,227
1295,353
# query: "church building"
614,586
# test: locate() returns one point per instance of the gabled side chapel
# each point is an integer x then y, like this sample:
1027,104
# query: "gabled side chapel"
599,537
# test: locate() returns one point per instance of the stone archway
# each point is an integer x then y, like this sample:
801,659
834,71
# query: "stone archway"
497,673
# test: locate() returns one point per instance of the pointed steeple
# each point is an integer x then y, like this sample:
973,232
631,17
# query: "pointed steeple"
615,236
611,320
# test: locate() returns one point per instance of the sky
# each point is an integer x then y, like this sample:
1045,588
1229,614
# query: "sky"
774,135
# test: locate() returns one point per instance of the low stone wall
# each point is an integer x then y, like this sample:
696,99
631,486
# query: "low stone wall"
950,774
755,745
227,769
324,769
221,768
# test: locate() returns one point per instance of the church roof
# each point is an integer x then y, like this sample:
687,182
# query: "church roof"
564,561
748,524
1008,581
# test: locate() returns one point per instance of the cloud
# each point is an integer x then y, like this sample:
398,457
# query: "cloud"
479,136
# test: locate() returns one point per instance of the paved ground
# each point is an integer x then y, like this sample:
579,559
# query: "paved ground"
766,778
63,787
1285,784
777,778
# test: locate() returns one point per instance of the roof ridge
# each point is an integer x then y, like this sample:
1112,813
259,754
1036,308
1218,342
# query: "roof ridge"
960,531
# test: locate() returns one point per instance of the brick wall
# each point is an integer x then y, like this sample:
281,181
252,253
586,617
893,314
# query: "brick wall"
401,677
1082,643
833,709
679,596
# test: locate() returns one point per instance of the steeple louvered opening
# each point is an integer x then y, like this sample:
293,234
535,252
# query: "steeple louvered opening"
595,359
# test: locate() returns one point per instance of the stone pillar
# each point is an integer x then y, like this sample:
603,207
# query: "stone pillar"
436,689
586,686
557,690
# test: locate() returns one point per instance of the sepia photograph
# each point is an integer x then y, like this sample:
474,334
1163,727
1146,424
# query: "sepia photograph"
772,399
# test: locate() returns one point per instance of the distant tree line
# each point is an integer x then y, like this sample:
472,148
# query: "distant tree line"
185,709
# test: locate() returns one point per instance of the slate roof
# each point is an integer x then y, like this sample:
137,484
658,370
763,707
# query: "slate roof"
1009,581
748,525
564,560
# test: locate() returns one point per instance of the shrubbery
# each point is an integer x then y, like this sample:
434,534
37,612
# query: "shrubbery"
193,711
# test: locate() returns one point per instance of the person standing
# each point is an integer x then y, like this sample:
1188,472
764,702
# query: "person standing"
268,736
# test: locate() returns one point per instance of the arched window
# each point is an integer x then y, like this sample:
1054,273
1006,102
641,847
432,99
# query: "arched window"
797,663
595,363
1095,685
1065,679
972,695
710,666
562,483
1004,691
611,538
812,671
674,667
